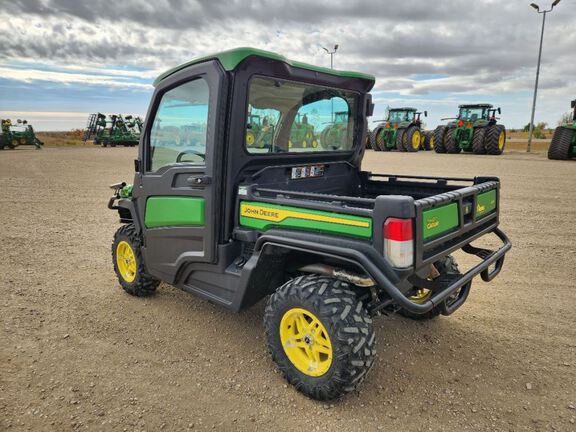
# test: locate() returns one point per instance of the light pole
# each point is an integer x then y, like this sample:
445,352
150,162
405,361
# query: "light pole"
332,67
544,12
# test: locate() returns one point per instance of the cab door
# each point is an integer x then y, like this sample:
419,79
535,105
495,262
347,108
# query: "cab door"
179,173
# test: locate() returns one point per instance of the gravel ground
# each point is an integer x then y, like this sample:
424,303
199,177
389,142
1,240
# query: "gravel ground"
77,353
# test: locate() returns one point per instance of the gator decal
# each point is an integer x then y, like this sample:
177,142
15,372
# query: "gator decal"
439,220
485,203
162,211
262,217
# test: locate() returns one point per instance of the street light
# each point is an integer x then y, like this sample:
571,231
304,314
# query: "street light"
544,12
331,67
334,52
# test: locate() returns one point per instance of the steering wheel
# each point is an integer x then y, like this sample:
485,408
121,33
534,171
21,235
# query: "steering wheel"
194,152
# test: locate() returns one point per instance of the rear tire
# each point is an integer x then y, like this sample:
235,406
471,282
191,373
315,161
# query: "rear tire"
128,264
495,140
400,140
412,139
374,136
428,140
561,145
327,349
478,141
439,136
451,145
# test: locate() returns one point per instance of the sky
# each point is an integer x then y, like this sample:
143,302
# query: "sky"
63,59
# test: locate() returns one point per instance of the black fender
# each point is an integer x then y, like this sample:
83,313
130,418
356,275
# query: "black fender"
126,210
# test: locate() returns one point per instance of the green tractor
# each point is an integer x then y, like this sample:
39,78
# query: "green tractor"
563,145
21,133
473,130
114,131
335,135
302,133
259,131
401,131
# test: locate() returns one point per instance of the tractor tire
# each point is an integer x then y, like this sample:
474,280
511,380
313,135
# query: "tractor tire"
451,145
400,140
439,137
478,141
446,266
429,141
495,140
561,145
376,139
320,336
412,139
128,264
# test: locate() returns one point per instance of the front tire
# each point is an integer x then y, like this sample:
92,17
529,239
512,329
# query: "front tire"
451,145
478,141
128,264
376,135
320,336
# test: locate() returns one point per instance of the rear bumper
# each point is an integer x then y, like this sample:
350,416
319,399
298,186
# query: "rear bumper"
386,278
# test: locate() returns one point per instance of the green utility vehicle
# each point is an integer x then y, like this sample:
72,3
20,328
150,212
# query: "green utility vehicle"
14,135
563,145
401,131
330,245
473,130
113,131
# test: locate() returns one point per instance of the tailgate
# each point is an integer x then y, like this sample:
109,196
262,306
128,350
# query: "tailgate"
448,221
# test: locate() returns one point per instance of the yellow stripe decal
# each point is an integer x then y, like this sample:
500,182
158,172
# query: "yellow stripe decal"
278,215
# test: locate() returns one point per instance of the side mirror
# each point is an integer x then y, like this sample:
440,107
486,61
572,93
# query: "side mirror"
499,110
18,121
573,104
425,113
369,106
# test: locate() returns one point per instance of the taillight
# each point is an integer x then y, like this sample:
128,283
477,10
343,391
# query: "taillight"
399,242
460,123
468,125
395,125
387,126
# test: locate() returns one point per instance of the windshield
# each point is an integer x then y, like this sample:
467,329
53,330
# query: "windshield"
292,117
472,114
400,116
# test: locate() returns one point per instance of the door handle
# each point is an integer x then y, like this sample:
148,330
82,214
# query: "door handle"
199,180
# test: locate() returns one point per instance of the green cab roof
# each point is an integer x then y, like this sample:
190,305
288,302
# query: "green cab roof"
480,105
403,109
232,58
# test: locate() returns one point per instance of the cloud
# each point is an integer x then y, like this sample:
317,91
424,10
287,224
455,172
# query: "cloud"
482,48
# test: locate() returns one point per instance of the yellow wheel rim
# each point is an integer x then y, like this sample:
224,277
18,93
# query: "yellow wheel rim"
315,144
306,342
431,142
421,296
126,261
501,140
304,144
416,140
250,138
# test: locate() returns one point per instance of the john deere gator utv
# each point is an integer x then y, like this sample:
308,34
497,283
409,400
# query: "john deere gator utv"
330,245
112,131
473,130
14,135
563,145
401,131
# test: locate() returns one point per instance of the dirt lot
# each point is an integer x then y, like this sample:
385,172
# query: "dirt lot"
77,353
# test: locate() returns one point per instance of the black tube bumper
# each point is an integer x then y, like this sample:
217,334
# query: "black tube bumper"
386,278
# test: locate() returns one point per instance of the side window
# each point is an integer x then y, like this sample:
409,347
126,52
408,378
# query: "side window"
178,134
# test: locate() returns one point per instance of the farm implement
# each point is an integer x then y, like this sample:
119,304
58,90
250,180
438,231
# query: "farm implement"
14,135
113,130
